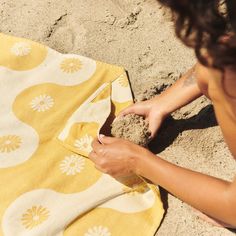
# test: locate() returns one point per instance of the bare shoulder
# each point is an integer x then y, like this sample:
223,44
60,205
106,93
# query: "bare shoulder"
229,84
222,91
222,87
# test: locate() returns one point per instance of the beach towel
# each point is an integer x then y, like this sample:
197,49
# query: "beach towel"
52,105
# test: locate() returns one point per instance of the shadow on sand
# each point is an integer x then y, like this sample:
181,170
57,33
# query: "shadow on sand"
169,131
171,128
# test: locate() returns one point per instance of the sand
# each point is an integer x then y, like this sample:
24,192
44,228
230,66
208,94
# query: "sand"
132,127
138,35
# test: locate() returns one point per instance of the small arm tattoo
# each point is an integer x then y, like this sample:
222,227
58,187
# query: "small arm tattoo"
191,79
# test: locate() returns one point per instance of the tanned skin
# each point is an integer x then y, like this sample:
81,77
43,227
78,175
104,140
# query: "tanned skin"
213,196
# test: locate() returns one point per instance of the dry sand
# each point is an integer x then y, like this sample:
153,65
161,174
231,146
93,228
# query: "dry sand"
137,35
132,127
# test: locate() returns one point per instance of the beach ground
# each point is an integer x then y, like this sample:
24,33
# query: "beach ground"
138,35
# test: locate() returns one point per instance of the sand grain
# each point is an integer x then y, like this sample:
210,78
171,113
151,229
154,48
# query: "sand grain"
133,128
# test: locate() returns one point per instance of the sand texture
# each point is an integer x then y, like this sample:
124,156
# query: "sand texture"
131,127
138,35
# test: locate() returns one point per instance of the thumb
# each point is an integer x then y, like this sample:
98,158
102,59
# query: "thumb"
130,109
154,125
106,139
126,112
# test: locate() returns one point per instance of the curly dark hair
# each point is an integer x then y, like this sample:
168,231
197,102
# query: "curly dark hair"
208,26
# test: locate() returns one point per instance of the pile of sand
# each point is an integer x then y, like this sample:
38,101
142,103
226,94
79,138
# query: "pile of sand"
133,128
138,35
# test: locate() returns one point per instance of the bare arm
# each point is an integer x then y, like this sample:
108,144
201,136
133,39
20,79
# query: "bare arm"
214,197
156,109
117,157
182,92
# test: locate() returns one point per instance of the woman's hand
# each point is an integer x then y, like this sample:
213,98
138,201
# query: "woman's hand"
182,92
151,110
116,157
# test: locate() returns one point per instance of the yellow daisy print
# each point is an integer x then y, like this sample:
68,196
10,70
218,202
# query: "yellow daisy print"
34,216
71,65
9,143
84,143
98,231
123,81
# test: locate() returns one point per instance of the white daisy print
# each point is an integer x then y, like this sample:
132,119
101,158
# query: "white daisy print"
98,231
21,49
72,165
42,103
84,143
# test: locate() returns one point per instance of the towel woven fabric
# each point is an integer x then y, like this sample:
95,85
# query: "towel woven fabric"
52,105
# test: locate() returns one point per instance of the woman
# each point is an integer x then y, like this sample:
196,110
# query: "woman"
209,27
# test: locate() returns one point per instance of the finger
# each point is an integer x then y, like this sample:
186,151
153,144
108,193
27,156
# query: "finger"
93,156
96,145
154,126
106,139
127,111
100,169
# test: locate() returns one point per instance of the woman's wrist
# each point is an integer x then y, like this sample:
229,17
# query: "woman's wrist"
162,105
142,161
